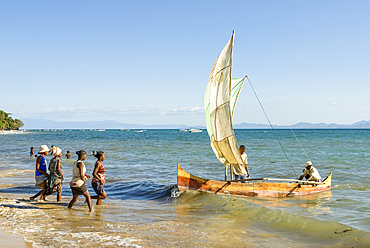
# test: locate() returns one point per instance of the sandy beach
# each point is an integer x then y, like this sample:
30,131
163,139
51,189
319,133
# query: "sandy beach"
11,240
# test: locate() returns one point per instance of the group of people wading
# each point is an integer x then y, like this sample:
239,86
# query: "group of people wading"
52,182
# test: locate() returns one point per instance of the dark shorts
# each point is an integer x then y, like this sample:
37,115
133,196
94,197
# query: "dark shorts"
241,177
79,190
98,188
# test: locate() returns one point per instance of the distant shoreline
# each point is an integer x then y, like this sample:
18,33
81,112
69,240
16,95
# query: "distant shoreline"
139,130
36,124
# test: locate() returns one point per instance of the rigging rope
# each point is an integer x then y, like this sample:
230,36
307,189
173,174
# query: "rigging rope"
282,147
276,107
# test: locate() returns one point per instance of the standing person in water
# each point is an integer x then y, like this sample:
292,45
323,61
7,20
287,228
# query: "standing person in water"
68,155
98,180
77,184
31,152
40,173
54,183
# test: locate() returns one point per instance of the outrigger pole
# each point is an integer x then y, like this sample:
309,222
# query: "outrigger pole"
275,179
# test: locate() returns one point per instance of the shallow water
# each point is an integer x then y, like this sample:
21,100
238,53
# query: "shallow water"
141,172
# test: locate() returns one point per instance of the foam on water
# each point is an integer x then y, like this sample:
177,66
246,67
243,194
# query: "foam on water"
141,174
50,224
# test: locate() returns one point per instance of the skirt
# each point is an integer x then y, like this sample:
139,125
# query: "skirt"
79,190
98,187
39,180
56,188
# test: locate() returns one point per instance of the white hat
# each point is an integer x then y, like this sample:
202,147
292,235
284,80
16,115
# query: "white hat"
308,163
55,151
43,148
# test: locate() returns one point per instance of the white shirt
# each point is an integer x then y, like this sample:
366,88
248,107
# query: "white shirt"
76,180
244,158
239,169
312,172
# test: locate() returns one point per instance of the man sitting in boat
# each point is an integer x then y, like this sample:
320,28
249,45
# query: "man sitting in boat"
241,170
310,173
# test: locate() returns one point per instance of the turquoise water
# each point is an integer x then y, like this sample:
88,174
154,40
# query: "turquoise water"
141,172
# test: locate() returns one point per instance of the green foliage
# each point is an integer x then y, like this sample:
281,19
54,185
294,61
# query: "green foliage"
8,123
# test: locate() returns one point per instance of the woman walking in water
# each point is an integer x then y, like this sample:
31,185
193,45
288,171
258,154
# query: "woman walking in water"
98,180
77,184
54,183
40,173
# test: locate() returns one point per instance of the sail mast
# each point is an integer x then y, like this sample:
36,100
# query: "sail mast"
220,98
231,63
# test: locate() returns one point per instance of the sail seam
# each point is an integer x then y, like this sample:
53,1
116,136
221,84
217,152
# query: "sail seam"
218,72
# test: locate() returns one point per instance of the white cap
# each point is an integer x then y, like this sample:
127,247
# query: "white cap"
308,163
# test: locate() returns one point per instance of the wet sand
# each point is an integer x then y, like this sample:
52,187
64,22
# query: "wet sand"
11,240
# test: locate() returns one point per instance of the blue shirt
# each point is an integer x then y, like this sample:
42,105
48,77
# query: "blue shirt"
42,166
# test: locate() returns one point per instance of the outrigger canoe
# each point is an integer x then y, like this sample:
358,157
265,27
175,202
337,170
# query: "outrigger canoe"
259,187
220,99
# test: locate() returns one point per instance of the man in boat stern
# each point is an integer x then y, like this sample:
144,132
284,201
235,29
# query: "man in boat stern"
241,170
310,173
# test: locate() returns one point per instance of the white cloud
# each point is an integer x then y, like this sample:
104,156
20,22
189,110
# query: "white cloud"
91,113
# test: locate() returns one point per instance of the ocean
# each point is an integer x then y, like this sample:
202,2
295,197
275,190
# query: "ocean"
140,210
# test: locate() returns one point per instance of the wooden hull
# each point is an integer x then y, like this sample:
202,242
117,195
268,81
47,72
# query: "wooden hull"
251,188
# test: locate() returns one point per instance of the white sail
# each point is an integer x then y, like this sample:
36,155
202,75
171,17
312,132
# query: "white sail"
220,99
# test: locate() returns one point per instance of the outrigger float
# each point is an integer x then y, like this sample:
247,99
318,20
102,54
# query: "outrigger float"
220,100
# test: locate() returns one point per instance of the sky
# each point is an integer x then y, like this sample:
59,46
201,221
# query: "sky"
148,62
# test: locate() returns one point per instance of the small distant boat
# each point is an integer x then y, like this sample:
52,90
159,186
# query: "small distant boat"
101,130
194,130
183,130
140,131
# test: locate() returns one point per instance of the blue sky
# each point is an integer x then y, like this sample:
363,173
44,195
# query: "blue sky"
148,62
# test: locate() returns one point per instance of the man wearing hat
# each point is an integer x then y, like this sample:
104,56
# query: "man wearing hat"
310,173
